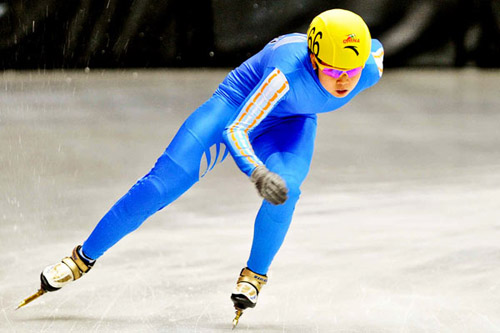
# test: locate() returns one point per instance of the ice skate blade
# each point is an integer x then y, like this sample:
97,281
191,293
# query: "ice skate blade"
237,318
33,297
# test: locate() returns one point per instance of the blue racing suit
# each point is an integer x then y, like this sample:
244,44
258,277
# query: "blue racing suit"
263,113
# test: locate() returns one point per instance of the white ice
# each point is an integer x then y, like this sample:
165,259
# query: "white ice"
397,230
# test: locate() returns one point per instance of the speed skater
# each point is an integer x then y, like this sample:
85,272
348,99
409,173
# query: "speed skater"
264,114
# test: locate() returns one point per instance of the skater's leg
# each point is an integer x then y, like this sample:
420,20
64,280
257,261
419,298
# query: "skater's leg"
176,170
286,150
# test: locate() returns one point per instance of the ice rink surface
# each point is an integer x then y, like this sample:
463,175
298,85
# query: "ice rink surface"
397,230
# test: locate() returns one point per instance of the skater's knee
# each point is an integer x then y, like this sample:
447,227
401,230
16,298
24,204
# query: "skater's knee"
282,214
170,170
291,167
158,186
293,185
146,196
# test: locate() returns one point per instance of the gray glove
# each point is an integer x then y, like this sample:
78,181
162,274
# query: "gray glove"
269,185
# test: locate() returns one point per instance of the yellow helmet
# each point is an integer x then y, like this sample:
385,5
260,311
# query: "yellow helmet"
339,38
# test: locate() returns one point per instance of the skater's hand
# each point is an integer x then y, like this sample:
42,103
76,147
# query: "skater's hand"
269,185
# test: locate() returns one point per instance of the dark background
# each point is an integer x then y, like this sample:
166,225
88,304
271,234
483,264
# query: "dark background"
49,34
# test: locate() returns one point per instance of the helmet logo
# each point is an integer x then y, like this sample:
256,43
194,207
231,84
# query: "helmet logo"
312,42
351,38
354,48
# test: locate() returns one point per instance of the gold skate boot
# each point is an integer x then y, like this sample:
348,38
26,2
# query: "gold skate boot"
56,276
246,292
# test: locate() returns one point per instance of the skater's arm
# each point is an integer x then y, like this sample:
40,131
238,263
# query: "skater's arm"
270,90
377,55
375,64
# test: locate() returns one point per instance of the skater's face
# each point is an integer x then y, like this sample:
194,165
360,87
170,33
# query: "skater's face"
338,87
